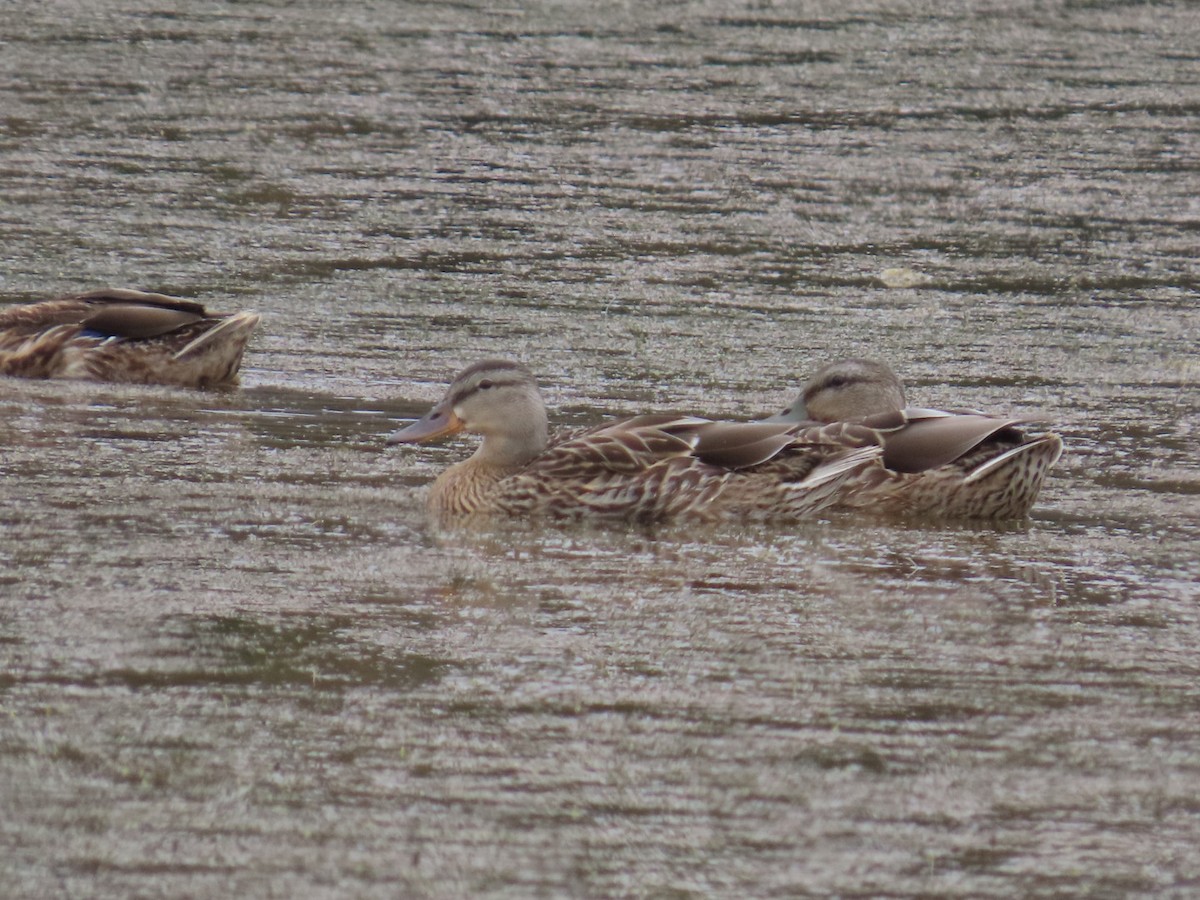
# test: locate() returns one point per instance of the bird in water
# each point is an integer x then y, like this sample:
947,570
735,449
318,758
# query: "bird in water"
124,336
648,468
953,464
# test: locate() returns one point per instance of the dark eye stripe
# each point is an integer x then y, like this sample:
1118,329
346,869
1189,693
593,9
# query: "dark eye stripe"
483,385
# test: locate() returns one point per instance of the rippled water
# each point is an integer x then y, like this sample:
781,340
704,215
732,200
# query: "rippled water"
236,660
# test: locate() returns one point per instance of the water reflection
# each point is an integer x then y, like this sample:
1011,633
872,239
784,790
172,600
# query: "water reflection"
312,652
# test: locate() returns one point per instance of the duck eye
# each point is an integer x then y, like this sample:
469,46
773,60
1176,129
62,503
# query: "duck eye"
838,381
485,384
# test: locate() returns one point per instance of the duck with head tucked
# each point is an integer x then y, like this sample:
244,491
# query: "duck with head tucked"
957,464
649,468
126,336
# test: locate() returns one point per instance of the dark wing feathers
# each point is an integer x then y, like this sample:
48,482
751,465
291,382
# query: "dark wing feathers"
138,321
739,445
118,312
143,298
927,443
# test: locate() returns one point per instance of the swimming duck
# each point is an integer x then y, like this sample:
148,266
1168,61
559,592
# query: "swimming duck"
124,336
648,468
956,464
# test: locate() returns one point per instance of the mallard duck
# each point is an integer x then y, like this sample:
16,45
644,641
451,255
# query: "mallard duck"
124,336
957,464
648,468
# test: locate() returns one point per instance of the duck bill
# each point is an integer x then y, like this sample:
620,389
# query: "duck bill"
797,412
438,422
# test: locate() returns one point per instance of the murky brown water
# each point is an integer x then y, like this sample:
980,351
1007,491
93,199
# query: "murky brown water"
237,662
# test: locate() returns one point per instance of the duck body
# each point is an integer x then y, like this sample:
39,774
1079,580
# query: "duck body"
649,468
126,336
952,464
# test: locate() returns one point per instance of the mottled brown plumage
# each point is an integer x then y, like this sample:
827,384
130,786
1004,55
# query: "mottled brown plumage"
957,464
124,336
649,468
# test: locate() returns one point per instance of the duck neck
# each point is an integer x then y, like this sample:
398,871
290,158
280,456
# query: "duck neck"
512,448
469,486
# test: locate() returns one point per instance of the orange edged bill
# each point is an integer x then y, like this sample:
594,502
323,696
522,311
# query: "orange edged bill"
438,422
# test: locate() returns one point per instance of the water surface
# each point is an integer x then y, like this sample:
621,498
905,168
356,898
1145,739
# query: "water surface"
236,659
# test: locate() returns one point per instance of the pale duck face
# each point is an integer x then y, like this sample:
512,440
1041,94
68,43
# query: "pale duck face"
846,389
494,398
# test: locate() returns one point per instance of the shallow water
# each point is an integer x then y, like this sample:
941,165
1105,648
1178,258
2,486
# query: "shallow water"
236,659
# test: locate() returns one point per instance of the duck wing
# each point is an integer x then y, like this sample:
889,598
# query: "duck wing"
113,312
917,440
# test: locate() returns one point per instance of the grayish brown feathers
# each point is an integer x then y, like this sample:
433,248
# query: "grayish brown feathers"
124,336
958,464
648,468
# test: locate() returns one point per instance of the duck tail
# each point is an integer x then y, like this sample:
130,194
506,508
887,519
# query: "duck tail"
237,327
